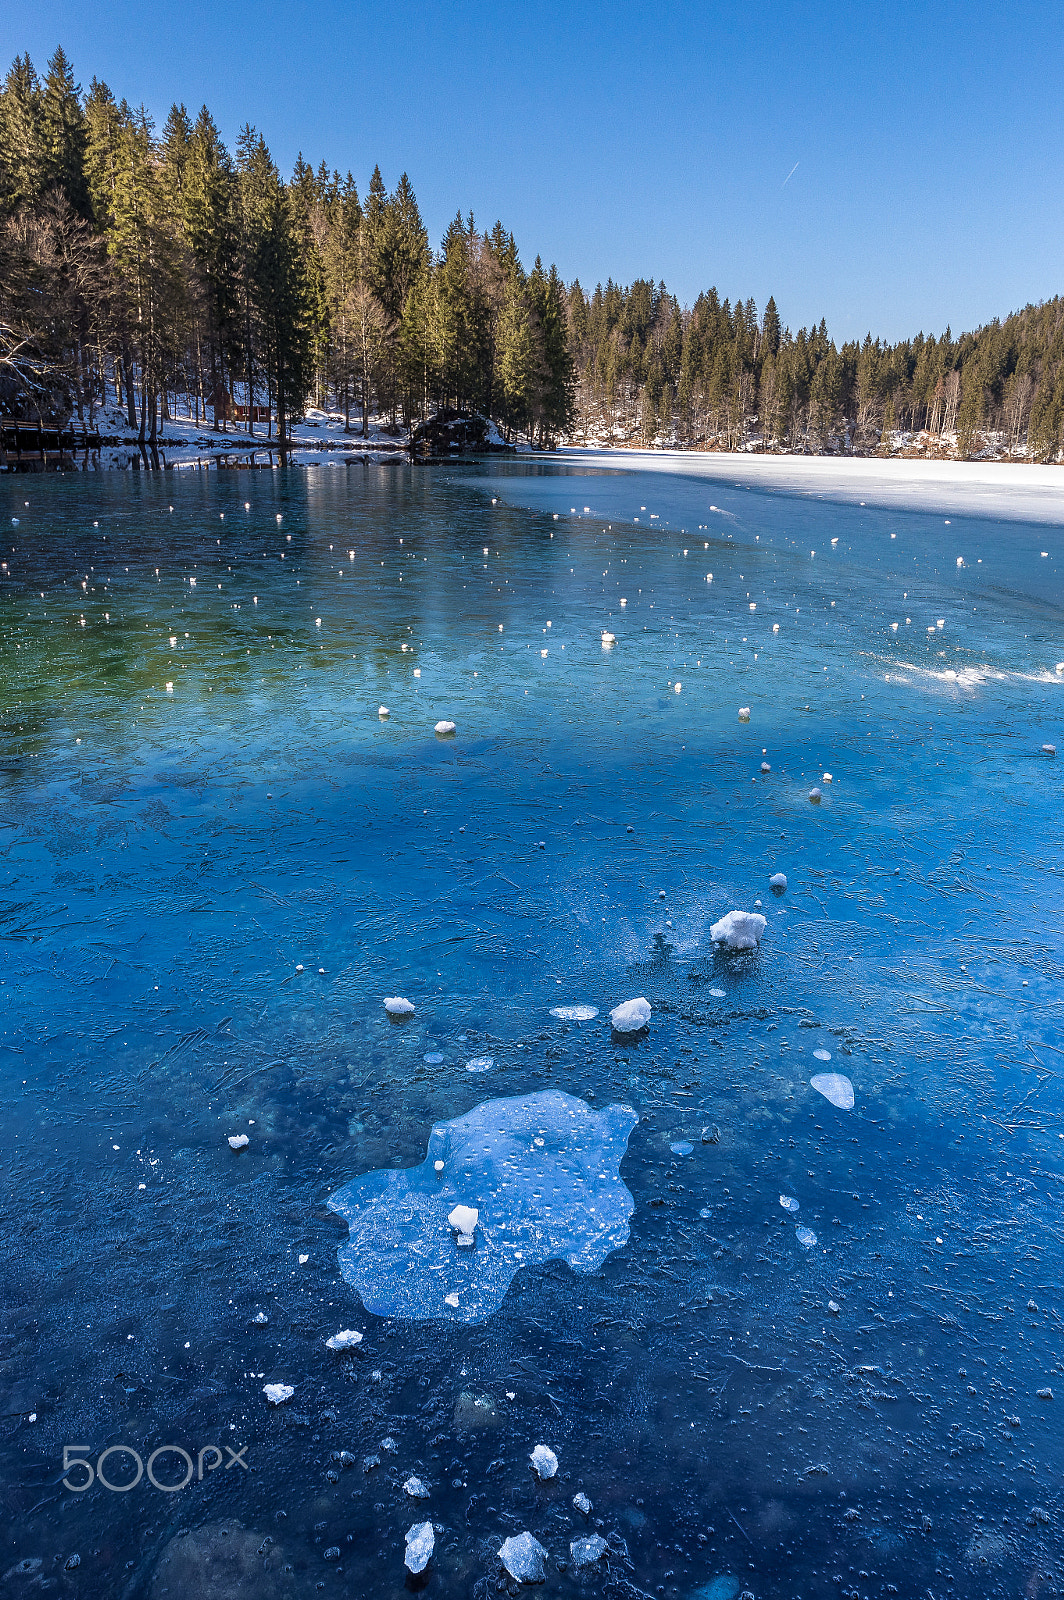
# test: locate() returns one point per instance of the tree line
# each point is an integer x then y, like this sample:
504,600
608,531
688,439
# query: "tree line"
162,271
159,269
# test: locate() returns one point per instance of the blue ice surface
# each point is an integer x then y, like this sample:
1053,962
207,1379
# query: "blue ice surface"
541,1169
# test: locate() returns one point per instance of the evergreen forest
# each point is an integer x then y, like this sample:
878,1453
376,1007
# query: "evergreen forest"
158,273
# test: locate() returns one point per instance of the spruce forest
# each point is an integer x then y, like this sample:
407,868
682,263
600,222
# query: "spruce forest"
159,274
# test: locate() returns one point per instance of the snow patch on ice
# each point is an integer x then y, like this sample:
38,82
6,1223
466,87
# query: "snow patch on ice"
739,930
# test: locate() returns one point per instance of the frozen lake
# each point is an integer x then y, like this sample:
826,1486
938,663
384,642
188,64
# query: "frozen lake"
217,858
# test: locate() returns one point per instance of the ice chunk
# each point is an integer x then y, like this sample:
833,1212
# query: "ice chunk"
827,777
806,1237
631,1016
463,1219
278,1393
834,1086
544,1168
788,1202
346,1339
778,881
822,1054
765,767
420,1543
415,1489
582,1503
396,1006
814,797
608,639
1049,749
574,1013
744,713
588,1549
739,930
523,1558
445,728
238,1141
544,1462
260,1318
382,711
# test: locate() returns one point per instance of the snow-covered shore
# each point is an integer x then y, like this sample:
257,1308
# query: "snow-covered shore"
1019,491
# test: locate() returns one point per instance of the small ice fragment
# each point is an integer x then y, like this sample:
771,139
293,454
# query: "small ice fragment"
833,1308
775,627
1045,1394
416,1489
389,1445
303,1260
574,1013
382,711
260,1318
778,881
523,1558
433,1058
711,1134
739,930
822,1055
717,994
608,639
834,1087
463,1219
278,1393
744,713
827,777
631,1016
582,1503
788,1202
677,687
450,1300
814,797
396,1006
1049,749
237,1141
420,1543
765,767
806,1237
681,1148
588,1549
299,964
544,1462
445,728
346,1339
437,1166
480,1063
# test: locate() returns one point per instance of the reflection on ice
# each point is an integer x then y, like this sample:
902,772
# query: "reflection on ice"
541,1171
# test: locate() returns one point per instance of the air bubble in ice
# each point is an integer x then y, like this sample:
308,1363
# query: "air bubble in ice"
717,994
480,1063
806,1237
631,1016
788,1202
523,1557
739,930
822,1055
681,1148
420,1543
574,1013
543,1170
834,1086
433,1058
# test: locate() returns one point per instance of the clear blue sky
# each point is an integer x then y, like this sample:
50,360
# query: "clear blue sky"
652,140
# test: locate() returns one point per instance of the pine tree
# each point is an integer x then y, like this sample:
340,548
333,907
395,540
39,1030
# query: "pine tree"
23,149
64,135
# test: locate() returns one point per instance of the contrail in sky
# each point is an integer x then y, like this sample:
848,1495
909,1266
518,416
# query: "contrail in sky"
789,176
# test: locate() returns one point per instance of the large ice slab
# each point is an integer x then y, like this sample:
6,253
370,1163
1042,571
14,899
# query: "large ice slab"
542,1172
